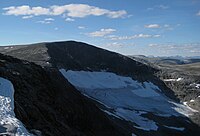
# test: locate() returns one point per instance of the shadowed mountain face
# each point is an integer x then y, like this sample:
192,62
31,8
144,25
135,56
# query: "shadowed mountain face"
48,104
78,56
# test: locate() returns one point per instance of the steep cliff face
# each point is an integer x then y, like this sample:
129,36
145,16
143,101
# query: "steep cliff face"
48,104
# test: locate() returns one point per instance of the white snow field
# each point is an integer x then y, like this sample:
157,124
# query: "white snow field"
195,85
126,98
9,125
176,128
178,79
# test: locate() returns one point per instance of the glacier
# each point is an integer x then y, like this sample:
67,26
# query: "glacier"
126,98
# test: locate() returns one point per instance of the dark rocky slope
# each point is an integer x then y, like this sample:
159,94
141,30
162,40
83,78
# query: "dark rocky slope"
45,101
186,89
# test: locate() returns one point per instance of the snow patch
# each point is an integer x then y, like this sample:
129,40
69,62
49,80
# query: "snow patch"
175,128
184,109
134,116
133,134
8,47
7,115
193,110
192,100
170,80
102,80
185,103
195,85
179,79
97,100
111,114
148,90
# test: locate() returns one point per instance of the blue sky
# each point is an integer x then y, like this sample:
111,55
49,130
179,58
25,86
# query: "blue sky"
130,27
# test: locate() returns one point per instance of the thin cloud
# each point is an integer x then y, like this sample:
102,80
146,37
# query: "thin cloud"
69,19
70,10
27,17
117,44
169,27
161,7
116,14
195,51
191,47
156,36
176,48
152,45
164,27
152,26
198,14
81,27
44,22
101,33
137,36
49,19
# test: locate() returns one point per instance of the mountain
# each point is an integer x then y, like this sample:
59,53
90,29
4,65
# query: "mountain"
92,91
48,104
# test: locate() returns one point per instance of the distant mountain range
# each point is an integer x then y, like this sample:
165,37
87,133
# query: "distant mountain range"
167,60
175,57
